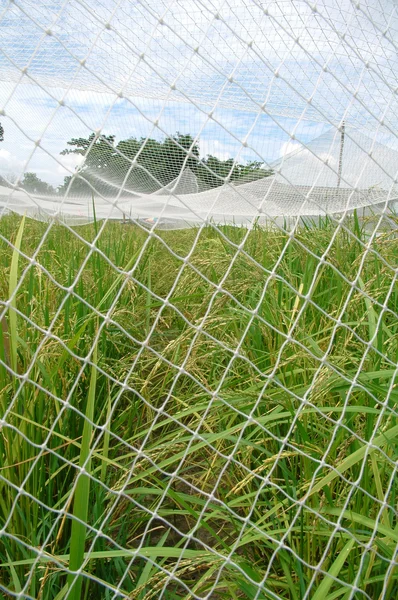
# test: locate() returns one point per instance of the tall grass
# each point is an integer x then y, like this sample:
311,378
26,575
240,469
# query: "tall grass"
137,445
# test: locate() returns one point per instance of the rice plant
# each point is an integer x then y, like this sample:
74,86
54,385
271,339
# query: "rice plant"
205,436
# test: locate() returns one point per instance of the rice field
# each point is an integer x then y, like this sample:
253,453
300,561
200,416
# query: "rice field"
199,413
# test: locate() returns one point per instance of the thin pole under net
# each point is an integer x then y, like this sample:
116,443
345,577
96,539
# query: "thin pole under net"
342,129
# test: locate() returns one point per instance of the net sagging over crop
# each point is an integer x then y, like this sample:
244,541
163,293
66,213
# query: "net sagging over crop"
211,412
251,79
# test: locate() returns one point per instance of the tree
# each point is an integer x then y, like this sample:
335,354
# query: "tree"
144,165
32,184
251,171
157,162
140,165
98,151
8,180
213,172
1,133
76,185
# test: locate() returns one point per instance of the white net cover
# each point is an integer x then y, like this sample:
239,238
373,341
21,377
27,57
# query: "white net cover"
198,300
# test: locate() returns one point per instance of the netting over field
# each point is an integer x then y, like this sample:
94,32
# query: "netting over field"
198,299
305,182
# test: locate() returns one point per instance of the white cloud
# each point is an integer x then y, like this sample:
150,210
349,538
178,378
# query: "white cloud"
69,163
10,164
216,148
289,147
5,155
221,33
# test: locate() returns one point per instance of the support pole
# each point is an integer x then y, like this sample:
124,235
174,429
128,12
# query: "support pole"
342,129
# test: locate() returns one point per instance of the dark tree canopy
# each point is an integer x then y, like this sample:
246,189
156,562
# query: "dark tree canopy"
146,164
214,172
141,165
1,133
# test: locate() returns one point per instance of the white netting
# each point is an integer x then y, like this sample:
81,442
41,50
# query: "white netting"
311,180
198,300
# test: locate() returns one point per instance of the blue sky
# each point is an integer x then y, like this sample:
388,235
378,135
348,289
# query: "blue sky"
307,70
31,115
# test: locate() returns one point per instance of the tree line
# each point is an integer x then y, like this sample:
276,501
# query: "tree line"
142,165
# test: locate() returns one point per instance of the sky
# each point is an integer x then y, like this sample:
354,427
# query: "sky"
251,78
31,115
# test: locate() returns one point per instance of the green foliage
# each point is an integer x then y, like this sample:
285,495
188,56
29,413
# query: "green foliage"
31,183
99,155
253,504
142,165
214,172
108,165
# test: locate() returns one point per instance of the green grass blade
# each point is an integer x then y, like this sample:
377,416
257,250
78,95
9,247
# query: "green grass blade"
105,449
329,579
82,492
14,576
372,315
61,595
4,353
149,568
13,282
147,552
365,521
354,458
